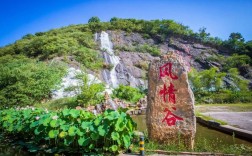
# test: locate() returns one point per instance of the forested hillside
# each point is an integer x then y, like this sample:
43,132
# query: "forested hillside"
30,68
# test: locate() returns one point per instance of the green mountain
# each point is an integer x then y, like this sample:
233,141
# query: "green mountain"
118,52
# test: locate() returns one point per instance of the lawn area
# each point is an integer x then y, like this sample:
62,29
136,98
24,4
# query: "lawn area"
237,107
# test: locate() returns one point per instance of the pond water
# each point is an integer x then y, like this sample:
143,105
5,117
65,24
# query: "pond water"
202,132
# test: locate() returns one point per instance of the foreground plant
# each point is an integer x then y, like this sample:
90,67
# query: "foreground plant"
68,130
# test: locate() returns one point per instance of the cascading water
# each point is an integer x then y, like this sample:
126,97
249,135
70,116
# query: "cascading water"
110,58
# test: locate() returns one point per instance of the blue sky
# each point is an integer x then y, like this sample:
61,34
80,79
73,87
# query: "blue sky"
220,17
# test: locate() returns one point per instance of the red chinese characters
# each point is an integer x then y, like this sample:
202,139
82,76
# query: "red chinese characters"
171,118
170,92
166,70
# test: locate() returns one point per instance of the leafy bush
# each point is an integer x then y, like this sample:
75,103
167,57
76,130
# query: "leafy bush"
90,91
206,80
127,93
89,58
68,130
153,50
209,86
24,81
226,96
236,61
144,48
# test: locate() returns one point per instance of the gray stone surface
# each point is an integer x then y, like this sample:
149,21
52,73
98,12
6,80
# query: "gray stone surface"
241,120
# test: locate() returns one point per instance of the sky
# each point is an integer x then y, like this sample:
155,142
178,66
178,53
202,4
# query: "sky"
219,17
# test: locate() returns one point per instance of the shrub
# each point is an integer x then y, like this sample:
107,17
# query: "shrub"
90,91
68,130
127,93
24,81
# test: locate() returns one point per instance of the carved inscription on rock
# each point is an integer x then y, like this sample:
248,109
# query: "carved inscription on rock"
170,109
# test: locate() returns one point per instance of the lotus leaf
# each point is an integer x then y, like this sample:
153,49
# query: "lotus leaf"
53,133
72,130
114,148
63,134
54,123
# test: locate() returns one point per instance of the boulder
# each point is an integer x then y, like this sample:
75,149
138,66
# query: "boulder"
170,109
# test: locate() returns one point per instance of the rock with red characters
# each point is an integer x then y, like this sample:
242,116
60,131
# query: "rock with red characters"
170,109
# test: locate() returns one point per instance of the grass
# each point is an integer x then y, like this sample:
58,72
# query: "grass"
202,145
208,118
237,107
69,102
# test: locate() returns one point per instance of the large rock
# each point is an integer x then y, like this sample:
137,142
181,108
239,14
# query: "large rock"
170,109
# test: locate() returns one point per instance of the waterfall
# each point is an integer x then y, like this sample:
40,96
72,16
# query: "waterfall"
110,58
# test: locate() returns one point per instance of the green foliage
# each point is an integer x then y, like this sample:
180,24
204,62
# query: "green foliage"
94,19
90,91
144,48
235,42
241,84
206,80
153,50
209,87
69,130
68,102
73,40
24,81
89,58
236,61
127,93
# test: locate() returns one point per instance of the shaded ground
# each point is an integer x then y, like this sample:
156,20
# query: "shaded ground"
237,115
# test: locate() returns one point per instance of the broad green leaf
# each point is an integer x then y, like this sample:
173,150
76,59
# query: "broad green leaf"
126,141
72,131
83,141
46,121
54,123
115,135
112,115
38,130
120,124
86,125
91,146
64,127
53,133
34,124
101,130
79,132
74,113
97,121
114,148
65,112
95,136
63,134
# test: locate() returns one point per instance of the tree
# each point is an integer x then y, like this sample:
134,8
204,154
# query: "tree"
90,91
203,34
235,42
114,19
94,19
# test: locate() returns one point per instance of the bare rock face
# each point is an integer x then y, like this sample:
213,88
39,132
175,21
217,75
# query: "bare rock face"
170,109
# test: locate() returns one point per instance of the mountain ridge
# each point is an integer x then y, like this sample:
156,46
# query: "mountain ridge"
136,43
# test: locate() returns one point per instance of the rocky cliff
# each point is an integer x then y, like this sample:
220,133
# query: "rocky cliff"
134,62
